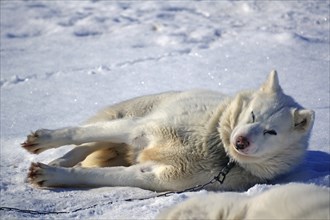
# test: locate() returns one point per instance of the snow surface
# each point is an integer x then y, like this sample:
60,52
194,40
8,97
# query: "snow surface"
61,61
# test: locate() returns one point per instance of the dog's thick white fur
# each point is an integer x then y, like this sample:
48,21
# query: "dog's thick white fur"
176,140
290,201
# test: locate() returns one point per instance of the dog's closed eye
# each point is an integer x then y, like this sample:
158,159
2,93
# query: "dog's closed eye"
271,132
253,117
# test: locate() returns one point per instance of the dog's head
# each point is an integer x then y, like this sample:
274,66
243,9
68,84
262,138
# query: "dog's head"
266,130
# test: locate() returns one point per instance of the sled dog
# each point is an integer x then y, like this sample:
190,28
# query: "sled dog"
290,201
177,140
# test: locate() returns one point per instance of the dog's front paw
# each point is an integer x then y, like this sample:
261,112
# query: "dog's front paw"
36,141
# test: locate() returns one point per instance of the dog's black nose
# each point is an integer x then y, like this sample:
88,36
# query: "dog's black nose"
242,143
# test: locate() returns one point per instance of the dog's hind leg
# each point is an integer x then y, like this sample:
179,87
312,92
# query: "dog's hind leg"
76,155
113,155
96,154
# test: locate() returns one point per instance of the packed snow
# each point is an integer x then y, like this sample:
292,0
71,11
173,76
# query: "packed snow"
62,61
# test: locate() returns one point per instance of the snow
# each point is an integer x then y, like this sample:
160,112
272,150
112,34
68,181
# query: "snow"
61,61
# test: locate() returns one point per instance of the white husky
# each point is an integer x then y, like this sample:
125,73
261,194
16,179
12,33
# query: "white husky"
290,201
176,140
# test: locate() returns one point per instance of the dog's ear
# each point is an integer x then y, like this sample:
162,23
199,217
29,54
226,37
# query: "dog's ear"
303,119
272,84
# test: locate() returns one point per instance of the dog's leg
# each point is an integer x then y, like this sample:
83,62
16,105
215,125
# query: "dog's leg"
116,131
109,156
76,155
147,176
